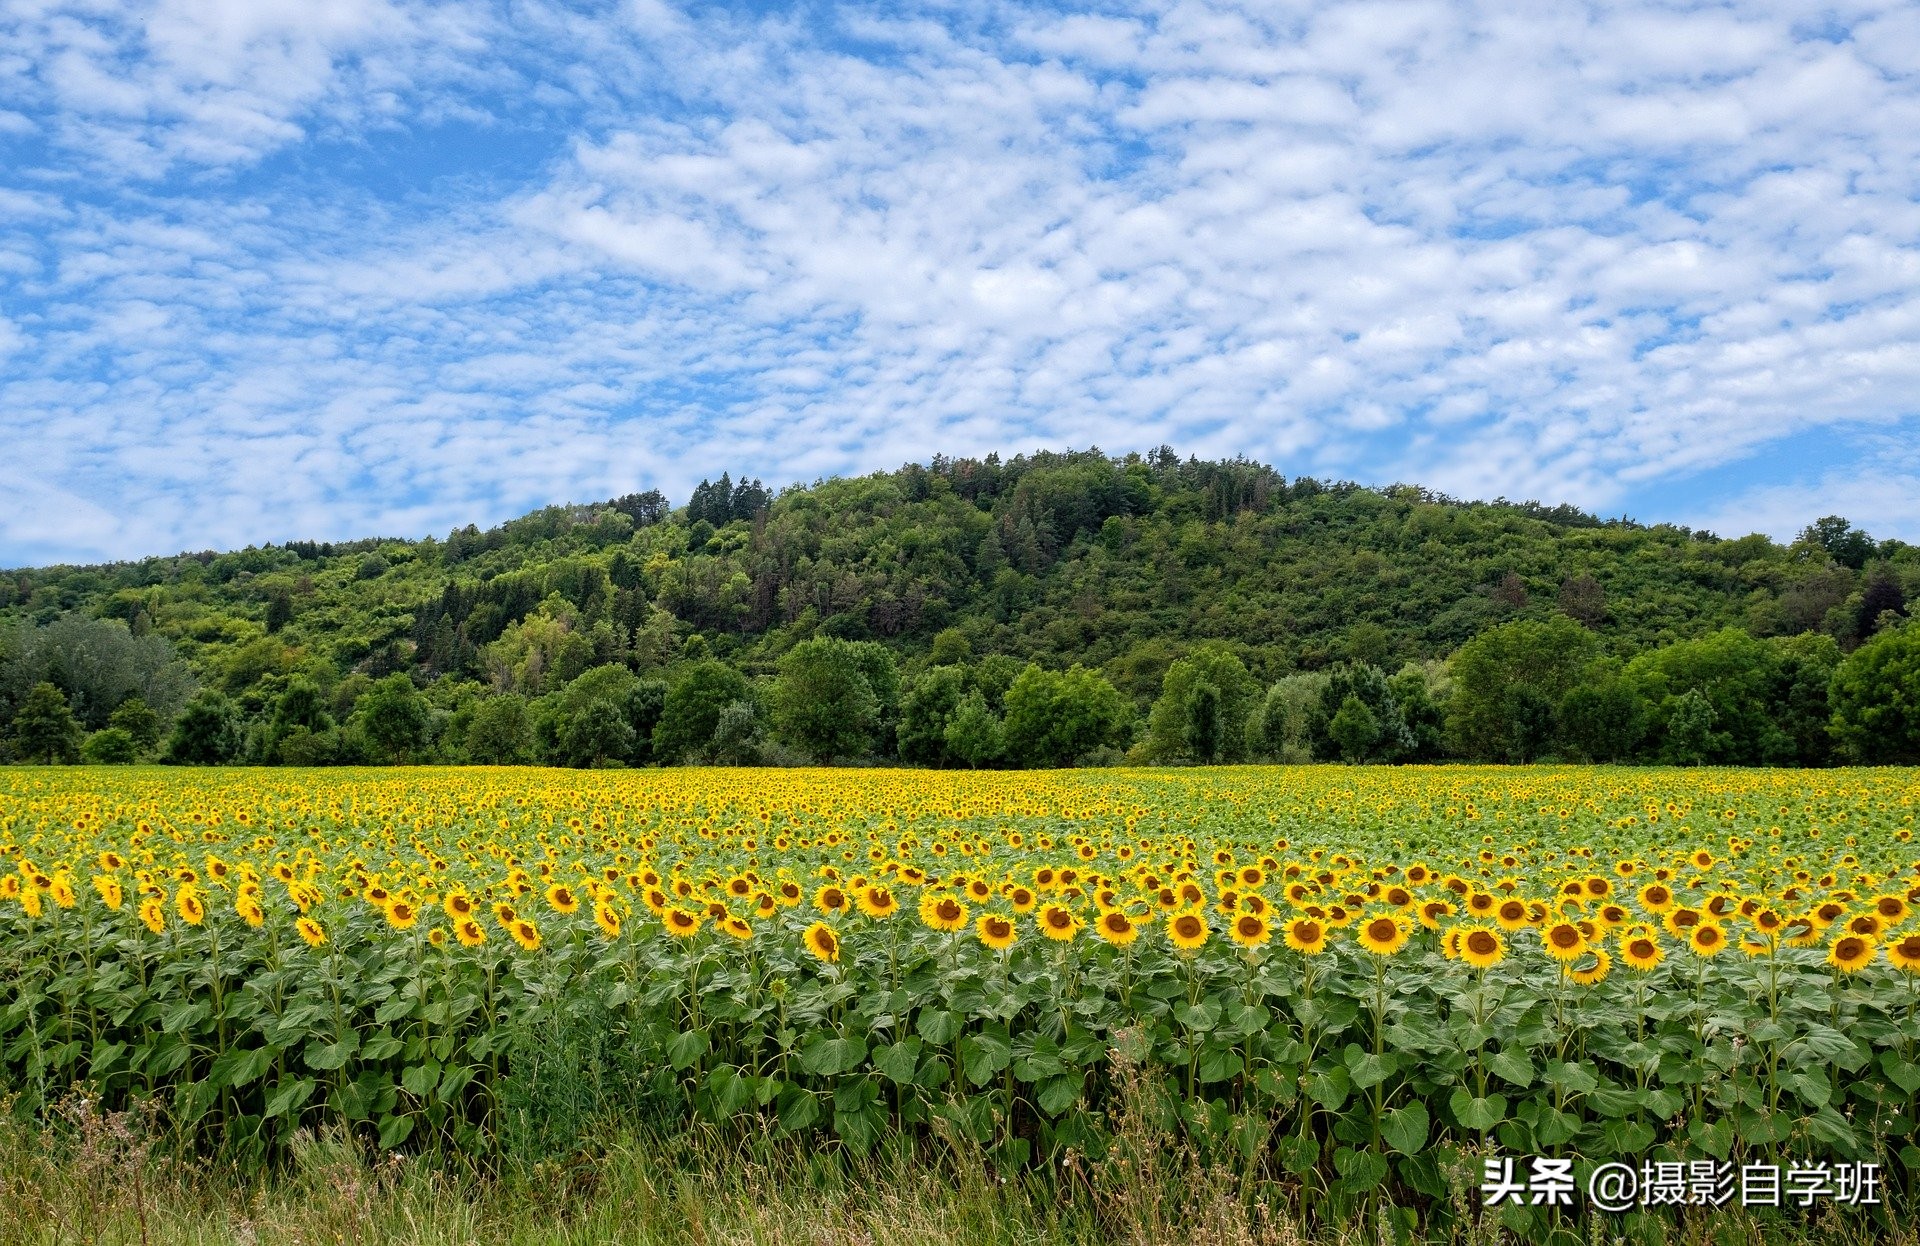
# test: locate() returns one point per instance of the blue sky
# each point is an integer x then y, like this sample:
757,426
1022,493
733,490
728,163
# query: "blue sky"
272,269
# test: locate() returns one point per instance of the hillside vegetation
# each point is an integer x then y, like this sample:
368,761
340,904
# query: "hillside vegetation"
1040,610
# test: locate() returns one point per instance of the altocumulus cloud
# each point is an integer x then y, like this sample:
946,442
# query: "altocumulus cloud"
274,269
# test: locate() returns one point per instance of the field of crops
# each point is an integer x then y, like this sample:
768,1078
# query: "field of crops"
1350,976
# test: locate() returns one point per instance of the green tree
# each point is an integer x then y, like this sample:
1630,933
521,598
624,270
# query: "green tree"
1393,740
96,664
1355,729
279,609
110,746
925,711
500,733
1804,666
950,648
974,736
1054,719
303,746
691,712
1603,719
596,733
252,662
301,706
1739,679
605,714
1418,694
1202,710
207,732
138,719
823,703
1487,718
44,729
738,738
1843,542
1876,699
1285,718
1529,715
392,716
1689,737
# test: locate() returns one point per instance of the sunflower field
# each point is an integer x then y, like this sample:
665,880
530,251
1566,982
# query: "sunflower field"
1352,976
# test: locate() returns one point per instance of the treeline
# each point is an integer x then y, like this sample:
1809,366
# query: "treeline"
1046,610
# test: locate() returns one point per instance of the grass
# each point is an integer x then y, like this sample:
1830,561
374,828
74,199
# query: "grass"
85,1177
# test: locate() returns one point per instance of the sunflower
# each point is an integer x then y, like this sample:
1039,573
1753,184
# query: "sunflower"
1187,930
562,898
995,931
1059,923
188,904
470,932
735,927
1023,899
1802,932
1383,935
1680,921
1591,974
942,912
1249,930
110,891
1563,941
682,923
526,934
1656,897
1307,936
401,915
1891,908
877,902
1511,914
457,905
1116,928
1482,948
821,940
831,899
1905,955
1851,953
250,911
154,914
608,920
1707,939
310,931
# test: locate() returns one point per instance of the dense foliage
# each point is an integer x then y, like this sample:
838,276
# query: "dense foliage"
1038,611
1351,976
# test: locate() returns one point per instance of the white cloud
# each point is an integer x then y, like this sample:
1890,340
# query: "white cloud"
1568,253
1877,501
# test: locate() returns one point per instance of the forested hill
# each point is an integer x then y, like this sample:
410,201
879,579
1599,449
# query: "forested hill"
1119,564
